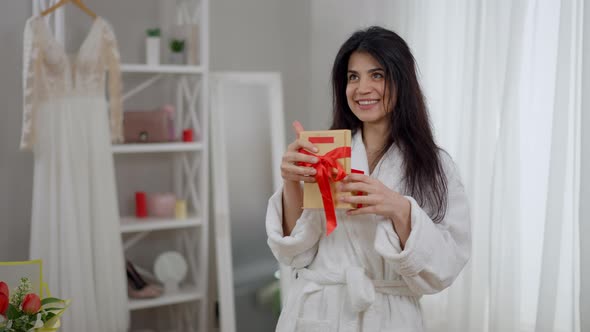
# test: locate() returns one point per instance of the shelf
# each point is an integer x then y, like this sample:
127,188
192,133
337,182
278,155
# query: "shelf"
184,294
157,147
161,69
132,224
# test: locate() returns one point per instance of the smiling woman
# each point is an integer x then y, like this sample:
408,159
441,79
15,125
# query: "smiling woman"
411,234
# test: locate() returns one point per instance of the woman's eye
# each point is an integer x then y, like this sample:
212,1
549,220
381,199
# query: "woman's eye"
377,75
352,77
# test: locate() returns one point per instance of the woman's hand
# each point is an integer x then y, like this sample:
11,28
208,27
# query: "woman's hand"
290,171
292,175
378,200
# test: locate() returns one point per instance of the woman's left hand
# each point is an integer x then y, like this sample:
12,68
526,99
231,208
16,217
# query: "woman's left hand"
378,199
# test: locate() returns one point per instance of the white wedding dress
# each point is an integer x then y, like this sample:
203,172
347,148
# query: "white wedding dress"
75,218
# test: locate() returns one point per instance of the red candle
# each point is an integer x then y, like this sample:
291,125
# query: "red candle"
140,205
187,135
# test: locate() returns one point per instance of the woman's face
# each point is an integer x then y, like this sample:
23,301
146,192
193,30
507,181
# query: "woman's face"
365,90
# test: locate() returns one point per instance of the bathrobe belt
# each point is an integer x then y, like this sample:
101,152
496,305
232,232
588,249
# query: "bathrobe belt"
361,290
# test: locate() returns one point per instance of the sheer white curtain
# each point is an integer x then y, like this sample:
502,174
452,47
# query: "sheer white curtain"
503,84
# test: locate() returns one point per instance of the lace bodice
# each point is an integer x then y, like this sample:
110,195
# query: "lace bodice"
50,74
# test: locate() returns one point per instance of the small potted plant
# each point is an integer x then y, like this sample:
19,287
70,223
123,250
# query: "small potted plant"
152,46
177,51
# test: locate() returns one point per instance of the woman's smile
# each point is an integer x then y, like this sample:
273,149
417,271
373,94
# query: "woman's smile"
367,104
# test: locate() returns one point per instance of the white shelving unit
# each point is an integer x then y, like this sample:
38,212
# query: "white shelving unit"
161,69
191,162
133,224
158,147
188,294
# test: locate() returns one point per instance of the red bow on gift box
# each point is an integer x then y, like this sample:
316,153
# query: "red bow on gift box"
324,175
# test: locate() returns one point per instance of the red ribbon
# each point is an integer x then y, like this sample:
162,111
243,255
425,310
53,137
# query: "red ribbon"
324,174
358,193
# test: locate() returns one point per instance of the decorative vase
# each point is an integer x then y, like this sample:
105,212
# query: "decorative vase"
177,58
152,50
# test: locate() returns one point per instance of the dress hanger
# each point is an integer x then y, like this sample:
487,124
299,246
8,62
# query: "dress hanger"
78,3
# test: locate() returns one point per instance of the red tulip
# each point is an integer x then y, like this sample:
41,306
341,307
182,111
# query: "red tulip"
4,289
3,303
31,304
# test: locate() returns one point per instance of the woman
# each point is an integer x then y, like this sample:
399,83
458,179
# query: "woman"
412,235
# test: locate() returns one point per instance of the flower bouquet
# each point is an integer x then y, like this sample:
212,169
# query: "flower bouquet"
24,311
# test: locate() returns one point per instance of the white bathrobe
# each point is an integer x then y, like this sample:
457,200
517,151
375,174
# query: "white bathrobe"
358,278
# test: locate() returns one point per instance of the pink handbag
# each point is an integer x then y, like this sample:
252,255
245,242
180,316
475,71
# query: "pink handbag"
149,126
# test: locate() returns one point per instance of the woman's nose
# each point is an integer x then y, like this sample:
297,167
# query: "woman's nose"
364,86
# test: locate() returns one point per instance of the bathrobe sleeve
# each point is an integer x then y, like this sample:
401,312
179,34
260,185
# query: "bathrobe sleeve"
435,253
299,248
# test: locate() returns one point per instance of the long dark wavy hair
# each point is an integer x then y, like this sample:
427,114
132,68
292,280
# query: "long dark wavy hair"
409,124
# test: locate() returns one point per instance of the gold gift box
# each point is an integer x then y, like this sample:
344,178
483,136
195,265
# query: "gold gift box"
326,141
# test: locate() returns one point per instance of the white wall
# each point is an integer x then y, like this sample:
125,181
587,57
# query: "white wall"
16,167
266,35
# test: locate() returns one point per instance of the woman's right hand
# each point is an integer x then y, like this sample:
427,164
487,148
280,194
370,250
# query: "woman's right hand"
290,171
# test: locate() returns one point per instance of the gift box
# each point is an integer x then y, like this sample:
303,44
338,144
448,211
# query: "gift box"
326,141
333,166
